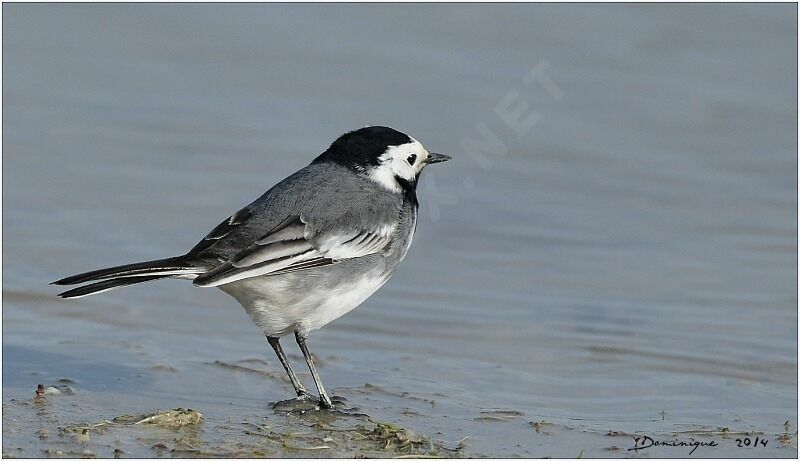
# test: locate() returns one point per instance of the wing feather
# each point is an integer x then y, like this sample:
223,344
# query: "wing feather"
293,245
222,230
272,252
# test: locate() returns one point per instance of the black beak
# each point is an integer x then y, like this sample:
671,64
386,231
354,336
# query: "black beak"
437,158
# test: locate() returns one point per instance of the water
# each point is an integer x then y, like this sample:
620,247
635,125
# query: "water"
628,265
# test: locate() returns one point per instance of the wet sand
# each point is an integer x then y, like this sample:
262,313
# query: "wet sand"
227,408
627,269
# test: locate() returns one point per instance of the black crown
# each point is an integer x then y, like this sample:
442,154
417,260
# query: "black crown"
361,148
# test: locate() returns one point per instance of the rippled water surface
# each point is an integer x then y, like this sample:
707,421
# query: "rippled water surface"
628,264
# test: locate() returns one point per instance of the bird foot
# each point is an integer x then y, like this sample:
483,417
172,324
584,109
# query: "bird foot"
303,402
307,402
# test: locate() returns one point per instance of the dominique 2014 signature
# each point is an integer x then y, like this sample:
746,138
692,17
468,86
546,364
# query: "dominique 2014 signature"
642,442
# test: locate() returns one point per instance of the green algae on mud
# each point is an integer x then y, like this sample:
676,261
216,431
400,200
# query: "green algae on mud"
186,433
178,417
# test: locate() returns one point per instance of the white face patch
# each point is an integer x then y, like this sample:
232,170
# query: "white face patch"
404,161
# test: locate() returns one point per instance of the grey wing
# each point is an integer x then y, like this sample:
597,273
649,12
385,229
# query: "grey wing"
222,230
294,245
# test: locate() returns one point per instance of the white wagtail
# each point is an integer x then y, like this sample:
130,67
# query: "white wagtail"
310,249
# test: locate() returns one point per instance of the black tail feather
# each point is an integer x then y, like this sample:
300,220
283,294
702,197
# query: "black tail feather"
108,285
168,266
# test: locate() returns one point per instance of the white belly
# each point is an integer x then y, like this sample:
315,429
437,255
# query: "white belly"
279,309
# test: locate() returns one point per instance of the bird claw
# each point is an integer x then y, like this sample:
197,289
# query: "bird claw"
307,402
301,403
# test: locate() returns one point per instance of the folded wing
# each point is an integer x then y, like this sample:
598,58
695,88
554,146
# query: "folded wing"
294,245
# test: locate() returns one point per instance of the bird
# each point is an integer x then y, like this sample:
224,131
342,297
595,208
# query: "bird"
310,249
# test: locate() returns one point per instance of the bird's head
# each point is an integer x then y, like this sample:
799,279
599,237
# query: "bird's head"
390,158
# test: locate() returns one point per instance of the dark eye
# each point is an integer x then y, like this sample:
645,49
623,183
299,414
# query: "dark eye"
411,159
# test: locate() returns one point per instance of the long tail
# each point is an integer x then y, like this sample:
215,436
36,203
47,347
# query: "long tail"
128,274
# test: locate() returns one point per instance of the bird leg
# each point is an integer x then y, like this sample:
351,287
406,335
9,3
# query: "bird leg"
302,393
324,400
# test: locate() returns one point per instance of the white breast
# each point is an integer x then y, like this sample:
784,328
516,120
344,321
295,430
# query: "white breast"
279,309
341,301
